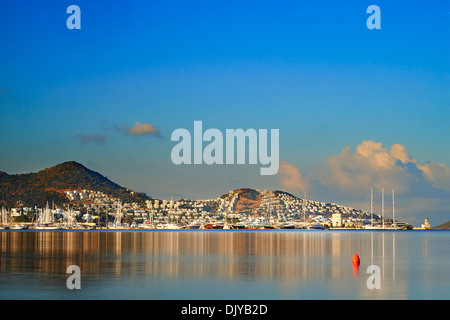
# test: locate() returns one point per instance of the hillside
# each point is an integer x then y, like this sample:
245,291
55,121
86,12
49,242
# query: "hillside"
35,189
248,199
445,225
280,204
50,185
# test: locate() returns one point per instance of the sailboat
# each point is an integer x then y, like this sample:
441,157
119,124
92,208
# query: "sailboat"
118,218
268,221
383,226
394,225
372,226
147,224
47,220
4,219
226,225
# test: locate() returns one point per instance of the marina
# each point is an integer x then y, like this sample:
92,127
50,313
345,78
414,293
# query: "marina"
172,226
197,226
290,214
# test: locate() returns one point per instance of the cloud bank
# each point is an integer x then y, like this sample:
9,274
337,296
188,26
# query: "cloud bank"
373,165
291,179
349,176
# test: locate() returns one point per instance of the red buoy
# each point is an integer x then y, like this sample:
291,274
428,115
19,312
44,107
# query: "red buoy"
355,259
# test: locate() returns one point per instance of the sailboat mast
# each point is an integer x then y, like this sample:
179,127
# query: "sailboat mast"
304,211
382,204
393,207
371,205
118,219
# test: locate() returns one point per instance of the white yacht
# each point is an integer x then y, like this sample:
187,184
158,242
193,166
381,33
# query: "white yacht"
170,226
146,226
373,226
383,226
48,227
18,227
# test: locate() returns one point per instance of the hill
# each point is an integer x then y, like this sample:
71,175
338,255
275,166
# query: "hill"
280,204
445,225
35,189
50,185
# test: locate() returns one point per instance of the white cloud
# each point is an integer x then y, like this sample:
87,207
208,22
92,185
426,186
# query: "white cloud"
437,173
138,129
291,179
144,128
373,165
349,176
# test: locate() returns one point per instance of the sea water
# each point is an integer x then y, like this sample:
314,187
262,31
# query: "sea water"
221,265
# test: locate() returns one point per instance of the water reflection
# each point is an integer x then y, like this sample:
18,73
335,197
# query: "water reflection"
294,262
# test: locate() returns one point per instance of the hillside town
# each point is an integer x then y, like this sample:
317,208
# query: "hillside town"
239,209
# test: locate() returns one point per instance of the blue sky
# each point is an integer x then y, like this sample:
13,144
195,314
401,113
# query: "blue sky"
311,69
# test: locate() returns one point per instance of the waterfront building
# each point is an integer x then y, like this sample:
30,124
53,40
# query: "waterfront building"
336,220
424,226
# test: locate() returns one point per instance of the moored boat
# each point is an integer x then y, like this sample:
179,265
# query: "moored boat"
48,227
18,227
316,227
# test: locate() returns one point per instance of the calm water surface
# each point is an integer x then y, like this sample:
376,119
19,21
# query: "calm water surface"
190,265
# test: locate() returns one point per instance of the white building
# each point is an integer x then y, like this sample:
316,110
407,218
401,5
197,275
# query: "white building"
336,220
